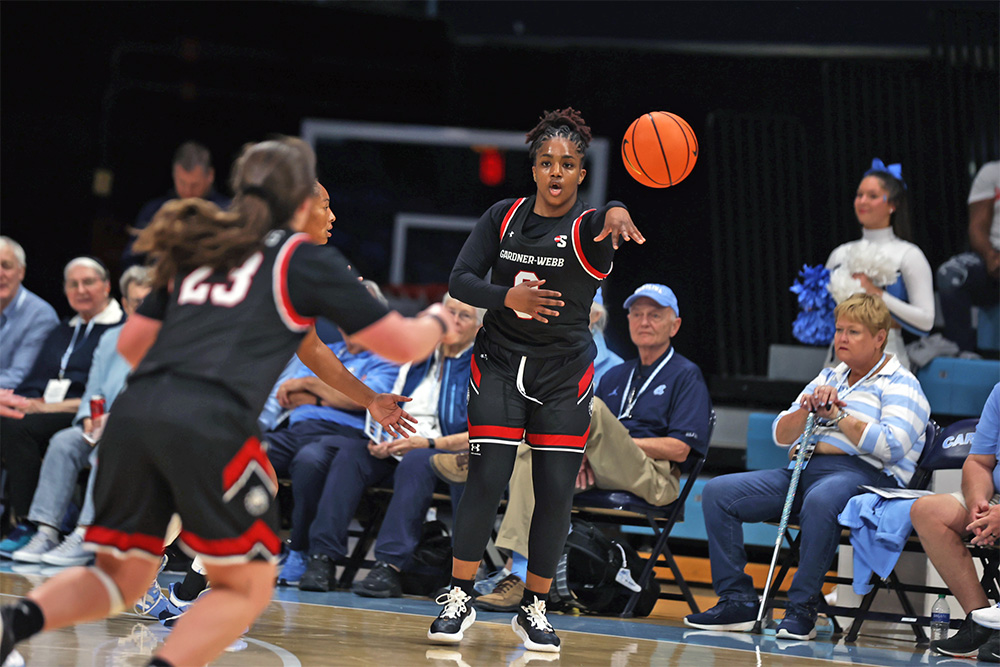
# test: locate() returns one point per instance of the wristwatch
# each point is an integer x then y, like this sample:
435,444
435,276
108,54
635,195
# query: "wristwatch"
835,422
430,443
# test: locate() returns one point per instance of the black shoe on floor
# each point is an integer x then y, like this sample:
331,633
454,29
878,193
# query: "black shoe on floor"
533,628
320,574
381,582
966,642
456,617
990,651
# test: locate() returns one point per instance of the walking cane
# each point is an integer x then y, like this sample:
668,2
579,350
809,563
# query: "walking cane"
800,457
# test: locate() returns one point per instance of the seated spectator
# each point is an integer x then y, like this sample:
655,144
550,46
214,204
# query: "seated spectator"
193,176
648,415
25,318
54,387
71,449
973,278
943,520
322,420
439,387
872,418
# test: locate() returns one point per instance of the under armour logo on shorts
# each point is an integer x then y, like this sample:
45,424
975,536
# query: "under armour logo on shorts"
474,448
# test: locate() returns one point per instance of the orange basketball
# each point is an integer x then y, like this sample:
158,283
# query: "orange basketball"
659,149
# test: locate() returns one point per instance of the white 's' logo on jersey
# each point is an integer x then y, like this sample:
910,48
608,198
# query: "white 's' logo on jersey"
561,241
659,390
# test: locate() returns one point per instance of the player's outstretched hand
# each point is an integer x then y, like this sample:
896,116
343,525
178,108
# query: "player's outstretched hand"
619,224
394,419
528,299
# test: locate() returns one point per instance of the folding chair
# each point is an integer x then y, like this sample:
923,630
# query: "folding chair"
948,452
920,480
624,508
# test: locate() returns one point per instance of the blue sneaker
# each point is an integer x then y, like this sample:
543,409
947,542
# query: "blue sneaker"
729,615
799,623
176,606
294,568
153,602
17,539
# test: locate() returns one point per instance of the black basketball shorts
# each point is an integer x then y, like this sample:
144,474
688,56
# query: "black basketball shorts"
182,445
545,401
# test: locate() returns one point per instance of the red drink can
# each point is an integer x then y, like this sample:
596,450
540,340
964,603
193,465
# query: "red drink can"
97,405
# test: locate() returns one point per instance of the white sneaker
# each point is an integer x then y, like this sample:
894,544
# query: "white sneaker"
33,551
70,552
988,617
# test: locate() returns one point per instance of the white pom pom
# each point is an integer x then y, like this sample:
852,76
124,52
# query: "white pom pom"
868,258
843,284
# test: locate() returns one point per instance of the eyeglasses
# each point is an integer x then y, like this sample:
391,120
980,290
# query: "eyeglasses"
86,282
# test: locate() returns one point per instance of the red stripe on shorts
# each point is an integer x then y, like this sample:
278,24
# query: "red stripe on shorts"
124,542
477,375
250,451
553,440
501,432
585,381
235,546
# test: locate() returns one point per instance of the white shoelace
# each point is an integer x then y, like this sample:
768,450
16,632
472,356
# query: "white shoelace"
454,602
536,615
38,543
69,545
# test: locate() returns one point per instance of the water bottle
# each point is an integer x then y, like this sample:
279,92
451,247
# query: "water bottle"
940,619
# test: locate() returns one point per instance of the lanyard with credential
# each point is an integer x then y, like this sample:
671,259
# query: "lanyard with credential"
628,401
848,390
72,346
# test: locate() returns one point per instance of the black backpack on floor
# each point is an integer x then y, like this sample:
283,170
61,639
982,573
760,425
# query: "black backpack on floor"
597,574
430,566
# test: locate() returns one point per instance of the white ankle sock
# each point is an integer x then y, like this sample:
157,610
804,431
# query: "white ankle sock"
49,531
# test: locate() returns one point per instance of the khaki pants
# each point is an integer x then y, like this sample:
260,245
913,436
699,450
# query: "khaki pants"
618,465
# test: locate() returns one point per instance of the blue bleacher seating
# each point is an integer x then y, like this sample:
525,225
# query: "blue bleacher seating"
958,387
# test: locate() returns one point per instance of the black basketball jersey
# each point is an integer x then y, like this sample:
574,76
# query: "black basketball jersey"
239,330
561,252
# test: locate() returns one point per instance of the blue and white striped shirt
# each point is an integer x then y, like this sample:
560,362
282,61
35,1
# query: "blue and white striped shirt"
895,409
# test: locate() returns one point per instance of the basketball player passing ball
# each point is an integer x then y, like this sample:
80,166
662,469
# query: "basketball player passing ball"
234,294
532,365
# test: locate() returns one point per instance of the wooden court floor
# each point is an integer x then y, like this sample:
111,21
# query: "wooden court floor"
340,628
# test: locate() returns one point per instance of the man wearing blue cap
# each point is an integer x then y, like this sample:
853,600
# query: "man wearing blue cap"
649,414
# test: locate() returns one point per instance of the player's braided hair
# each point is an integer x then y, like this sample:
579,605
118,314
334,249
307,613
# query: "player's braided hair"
271,179
567,123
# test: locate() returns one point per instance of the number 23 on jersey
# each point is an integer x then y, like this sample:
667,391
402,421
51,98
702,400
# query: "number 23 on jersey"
195,290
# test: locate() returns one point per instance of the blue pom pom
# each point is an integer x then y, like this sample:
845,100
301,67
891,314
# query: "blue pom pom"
814,325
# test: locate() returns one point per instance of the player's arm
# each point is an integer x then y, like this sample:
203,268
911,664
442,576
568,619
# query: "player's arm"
143,327
615,221
332,374
320,283
328,368
468,281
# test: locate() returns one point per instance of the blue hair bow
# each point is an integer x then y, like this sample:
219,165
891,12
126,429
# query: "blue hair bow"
894,170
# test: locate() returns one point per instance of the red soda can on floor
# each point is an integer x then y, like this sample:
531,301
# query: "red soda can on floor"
97,405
